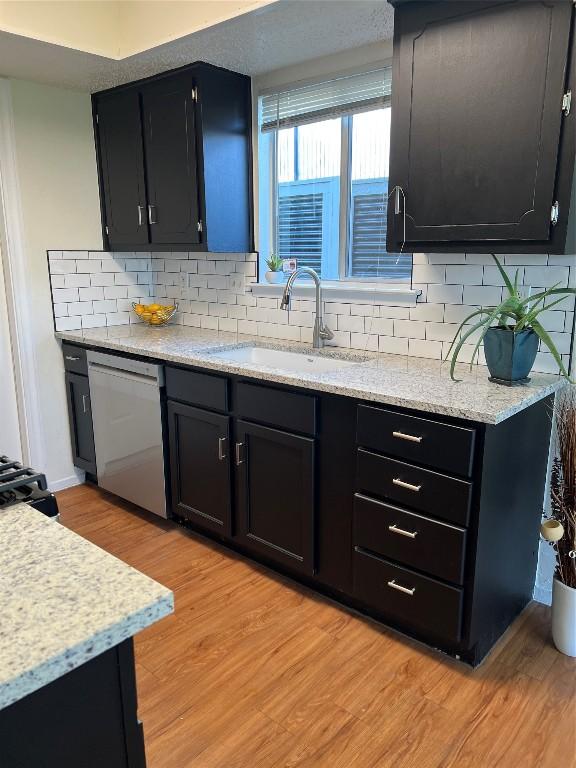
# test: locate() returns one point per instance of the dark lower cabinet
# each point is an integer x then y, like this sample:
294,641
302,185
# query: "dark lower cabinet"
200,466
80,416
85,719
275,474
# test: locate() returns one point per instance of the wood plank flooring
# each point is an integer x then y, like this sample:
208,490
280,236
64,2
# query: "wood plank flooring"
254,672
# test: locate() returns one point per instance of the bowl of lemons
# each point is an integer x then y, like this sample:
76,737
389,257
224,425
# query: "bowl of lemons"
155,314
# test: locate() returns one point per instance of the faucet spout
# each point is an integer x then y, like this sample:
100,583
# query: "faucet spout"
321,331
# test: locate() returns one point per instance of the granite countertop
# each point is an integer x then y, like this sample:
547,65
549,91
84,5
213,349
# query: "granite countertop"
408,382
63,601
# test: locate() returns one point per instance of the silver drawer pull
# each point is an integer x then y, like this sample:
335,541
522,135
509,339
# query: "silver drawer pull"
409,486
140,215
152,214
402,532
404,436
221,444
84,404
238,449
407,591
71,358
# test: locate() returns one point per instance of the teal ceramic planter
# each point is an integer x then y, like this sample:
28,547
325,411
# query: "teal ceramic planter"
510,356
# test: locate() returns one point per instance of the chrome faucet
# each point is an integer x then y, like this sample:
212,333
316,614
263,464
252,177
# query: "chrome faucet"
321,331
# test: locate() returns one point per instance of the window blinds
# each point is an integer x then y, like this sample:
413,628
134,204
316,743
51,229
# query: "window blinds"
323,101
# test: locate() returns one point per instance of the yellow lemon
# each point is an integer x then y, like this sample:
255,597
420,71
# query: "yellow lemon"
146,315
153,307
155,320
139,308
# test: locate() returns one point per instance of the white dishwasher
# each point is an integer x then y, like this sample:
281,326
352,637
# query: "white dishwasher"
127,417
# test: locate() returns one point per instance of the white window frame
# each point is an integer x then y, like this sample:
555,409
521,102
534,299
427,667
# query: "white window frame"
358,286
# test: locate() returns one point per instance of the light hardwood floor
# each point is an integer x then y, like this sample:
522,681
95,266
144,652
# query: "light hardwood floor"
253,671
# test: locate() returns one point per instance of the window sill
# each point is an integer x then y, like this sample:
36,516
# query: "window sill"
397,295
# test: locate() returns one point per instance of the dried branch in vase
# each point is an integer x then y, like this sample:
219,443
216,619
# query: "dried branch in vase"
563,488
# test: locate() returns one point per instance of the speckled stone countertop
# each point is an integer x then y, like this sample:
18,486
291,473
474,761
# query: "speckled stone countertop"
409,382
63,601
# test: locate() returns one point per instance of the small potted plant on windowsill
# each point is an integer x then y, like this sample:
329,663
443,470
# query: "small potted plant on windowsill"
510,332
559,529
275,273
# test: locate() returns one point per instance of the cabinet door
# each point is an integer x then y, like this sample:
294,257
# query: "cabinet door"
476,120
276,498
171,168
121,156
200,466
80,416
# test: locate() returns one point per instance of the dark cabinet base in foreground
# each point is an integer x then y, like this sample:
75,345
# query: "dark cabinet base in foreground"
85,719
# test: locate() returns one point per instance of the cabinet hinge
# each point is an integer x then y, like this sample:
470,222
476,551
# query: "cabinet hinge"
200,227
566,103
194,94
554,213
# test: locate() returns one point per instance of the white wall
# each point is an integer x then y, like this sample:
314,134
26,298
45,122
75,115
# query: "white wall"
58,188
9,426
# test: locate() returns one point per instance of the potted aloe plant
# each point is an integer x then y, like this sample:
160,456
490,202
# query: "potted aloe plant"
510,332
559,529
275,273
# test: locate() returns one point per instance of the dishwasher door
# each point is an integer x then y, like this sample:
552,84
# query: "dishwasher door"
126,411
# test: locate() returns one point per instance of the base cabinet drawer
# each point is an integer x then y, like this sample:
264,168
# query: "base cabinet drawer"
420,489
446,447
409,599
195,388
428,545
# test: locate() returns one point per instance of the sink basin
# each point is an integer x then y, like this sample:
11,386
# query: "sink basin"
288,361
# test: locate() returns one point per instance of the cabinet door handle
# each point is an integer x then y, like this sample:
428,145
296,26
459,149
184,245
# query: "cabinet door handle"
140,215
407,591
221,444
238,449
404,436
152,214
70,357
84,401
403,484
401,532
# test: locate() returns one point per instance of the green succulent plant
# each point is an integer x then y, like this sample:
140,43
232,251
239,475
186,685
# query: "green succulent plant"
516,313
274,263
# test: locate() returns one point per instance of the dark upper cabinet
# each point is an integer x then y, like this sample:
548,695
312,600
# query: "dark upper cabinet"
174,154
480,145
276,498
170,160
200,466
80,417
120,153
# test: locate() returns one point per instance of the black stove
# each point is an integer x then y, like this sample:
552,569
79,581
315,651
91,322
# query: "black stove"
21,484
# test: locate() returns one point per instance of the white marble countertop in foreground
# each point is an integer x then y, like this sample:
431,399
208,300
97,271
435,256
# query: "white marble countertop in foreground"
408,382
63,601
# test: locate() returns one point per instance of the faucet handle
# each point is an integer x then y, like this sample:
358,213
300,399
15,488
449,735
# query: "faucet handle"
286,297
326,333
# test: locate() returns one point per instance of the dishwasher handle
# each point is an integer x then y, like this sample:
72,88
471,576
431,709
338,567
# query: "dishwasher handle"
139,378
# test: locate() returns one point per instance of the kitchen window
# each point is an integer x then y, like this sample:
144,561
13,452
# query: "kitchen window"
323,178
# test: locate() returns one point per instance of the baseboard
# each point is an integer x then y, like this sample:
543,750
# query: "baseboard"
67,482
543,595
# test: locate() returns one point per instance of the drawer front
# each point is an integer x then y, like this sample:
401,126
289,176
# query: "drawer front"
75,358
421,489
288,410
427,545
196,388
422,441
414,601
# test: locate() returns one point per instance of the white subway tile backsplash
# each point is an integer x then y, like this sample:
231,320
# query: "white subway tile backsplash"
465,274
95,288
421,348
444,294
62,266
60,295
68,323
86,294
93,321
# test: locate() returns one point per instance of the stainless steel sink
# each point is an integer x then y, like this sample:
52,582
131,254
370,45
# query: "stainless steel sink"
288,361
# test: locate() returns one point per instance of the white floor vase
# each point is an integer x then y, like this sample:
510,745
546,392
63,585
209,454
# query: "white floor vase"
564,618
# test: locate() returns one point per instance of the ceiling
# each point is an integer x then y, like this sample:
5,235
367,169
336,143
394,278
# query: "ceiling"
273,36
